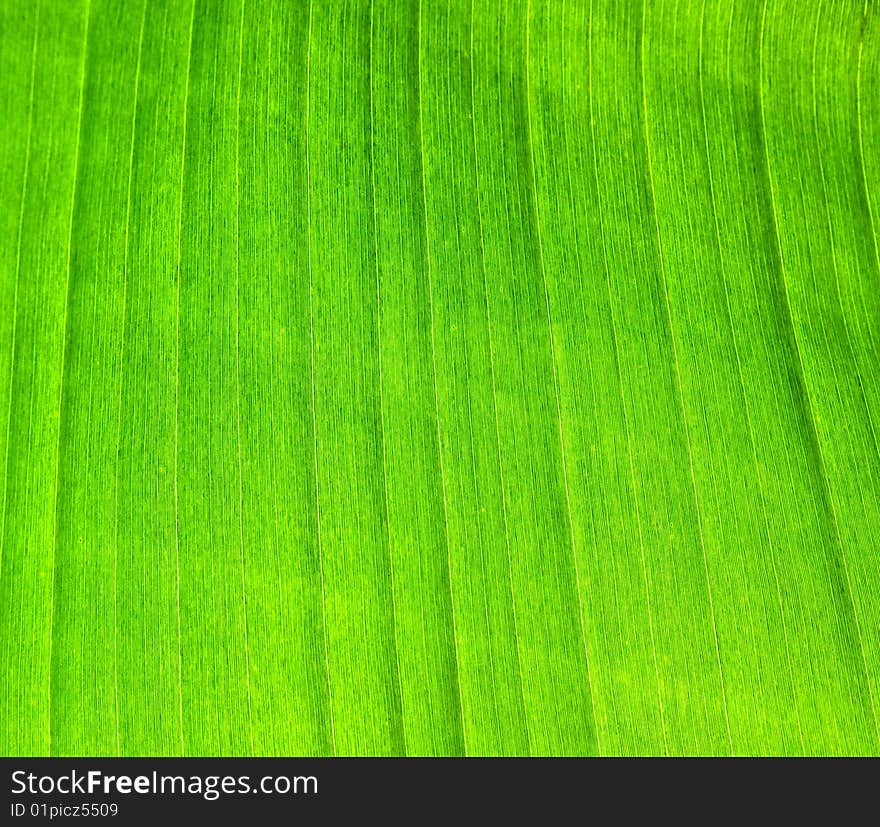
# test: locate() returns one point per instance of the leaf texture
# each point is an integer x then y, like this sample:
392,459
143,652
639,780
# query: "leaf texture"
436,377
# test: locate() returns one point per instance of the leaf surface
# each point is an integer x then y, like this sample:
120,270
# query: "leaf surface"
439,378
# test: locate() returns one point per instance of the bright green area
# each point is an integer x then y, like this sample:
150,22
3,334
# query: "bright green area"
439,377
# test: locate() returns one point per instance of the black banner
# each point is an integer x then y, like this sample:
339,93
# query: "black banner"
544,791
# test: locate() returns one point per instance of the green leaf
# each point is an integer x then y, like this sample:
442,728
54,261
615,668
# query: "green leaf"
439,377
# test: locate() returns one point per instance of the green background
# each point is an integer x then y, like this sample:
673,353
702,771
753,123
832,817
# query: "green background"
439,377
